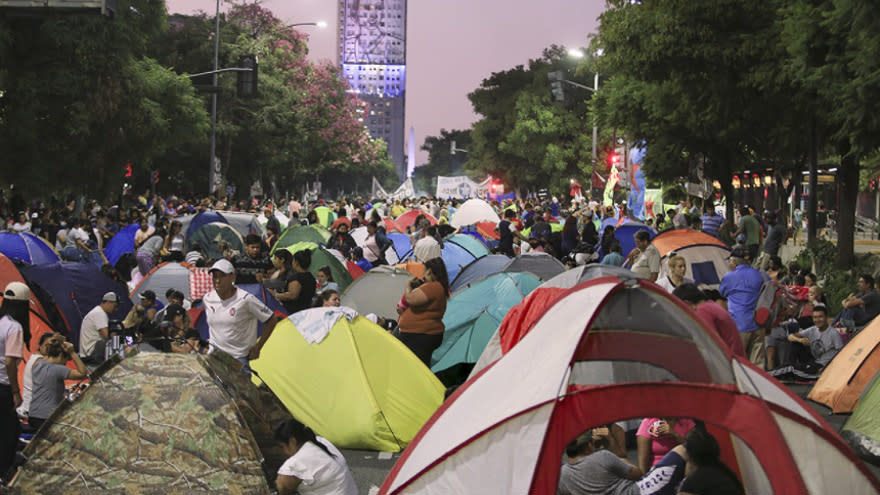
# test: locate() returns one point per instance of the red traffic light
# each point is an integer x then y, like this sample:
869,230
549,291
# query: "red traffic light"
128,171
613,158
155,177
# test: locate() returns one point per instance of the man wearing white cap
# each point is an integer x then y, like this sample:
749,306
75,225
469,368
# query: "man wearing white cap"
14,336
95,329
232,315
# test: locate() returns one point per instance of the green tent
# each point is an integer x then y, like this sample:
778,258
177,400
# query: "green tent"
358,387
473,315
322,257
862,429
215,239
159,423
470,243
326,216
302,233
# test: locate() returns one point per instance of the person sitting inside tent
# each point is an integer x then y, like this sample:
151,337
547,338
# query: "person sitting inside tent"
658,436
705,473
593,470
824,342
314,465
49,374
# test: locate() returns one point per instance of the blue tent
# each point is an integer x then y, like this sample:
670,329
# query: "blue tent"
200,322
624,234
454,257
121,243
27,247
479,269
202,219
76,288
473,315
469,242
402,244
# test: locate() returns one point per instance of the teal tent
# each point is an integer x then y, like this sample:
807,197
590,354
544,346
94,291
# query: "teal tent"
473,315
470,243
862,429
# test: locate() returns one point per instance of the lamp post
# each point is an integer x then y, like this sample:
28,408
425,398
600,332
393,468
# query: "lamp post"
595,89
213,168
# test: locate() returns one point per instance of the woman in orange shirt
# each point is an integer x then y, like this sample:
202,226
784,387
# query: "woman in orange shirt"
420,326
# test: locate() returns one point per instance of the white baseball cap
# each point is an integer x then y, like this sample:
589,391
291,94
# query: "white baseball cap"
17,291
223,265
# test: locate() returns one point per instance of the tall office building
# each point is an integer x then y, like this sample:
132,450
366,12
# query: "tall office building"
372,53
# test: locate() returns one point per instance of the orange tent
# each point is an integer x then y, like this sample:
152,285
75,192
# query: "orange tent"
847,375
417,269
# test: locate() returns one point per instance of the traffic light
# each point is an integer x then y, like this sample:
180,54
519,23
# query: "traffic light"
247,79
127,171
155,177
556,80
613,158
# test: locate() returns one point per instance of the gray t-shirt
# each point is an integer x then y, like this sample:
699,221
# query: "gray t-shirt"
48,388
823,344
775,234
600,473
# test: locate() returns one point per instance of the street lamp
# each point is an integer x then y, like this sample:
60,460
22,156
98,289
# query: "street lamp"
575,53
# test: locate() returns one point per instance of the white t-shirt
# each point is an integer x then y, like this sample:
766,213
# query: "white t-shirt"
648,262
89,335
232,323
27,385
76,234
320,473
11,344
21,227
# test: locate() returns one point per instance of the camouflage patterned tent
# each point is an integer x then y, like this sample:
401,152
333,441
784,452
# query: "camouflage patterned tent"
159,424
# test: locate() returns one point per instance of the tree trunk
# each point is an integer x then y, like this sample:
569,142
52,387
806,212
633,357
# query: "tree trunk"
848,191
814,182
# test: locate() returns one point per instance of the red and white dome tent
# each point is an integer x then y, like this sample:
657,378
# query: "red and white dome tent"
612,350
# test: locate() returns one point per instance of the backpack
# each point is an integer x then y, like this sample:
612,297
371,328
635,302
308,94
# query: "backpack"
774,303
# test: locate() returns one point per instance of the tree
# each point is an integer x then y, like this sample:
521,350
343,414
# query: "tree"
834,49
80,99
701,85
441,160
523,138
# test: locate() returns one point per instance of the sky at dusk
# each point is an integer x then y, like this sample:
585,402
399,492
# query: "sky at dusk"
452,45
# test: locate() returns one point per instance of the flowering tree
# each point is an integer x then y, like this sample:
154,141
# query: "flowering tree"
304,125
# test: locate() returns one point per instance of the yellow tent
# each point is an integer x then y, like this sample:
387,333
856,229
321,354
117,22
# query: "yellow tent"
359,387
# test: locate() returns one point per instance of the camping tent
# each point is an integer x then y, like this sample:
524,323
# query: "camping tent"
541,265
121,243
75,289
159,423
624,234
215,239
472,212
596,357
582,273
358,386
408,218
27,247
473,314
846,376
377,291
862,429
325,215
454,257
469,242
323,257
170,275
302,233
706,256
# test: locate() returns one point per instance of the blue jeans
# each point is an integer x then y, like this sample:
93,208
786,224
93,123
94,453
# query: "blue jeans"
246,369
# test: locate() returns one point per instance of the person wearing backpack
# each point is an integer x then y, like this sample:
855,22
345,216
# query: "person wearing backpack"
742,286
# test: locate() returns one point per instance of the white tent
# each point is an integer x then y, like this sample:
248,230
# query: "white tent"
611,350
473,211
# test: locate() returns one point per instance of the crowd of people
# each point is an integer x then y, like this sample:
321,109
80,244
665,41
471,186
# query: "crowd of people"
671,451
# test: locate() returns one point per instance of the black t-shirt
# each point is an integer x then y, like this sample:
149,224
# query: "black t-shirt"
306,294
710,480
